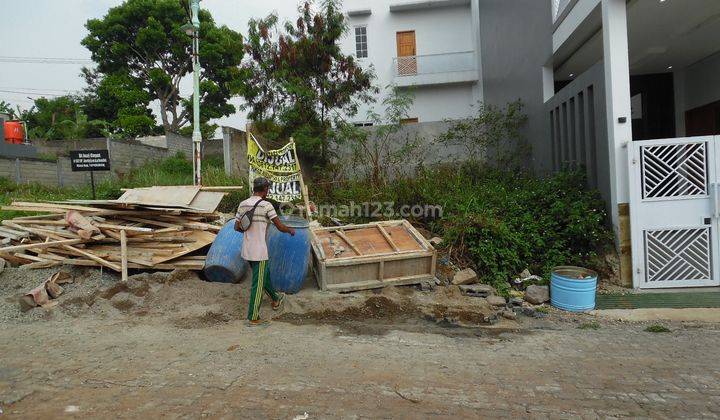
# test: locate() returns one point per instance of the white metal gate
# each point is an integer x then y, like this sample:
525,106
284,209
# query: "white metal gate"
675,212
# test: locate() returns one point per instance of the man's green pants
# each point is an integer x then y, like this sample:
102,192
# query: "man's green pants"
260,282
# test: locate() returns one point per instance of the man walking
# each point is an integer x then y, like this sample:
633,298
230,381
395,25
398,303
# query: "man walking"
254,248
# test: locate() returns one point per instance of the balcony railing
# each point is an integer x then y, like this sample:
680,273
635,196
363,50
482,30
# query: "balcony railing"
415,65
559,6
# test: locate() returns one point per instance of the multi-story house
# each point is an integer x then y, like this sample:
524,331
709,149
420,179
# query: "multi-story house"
633,97
430,46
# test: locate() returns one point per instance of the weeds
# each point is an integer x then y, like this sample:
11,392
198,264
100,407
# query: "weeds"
592,325
497,221
657,328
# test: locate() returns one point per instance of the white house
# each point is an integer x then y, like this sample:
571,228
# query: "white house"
431,47
632,92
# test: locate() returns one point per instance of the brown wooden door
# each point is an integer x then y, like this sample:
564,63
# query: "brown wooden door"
406,54
703,121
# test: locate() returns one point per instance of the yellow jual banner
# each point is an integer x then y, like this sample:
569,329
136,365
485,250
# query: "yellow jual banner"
280,166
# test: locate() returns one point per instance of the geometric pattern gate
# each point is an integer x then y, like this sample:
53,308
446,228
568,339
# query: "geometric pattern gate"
674,212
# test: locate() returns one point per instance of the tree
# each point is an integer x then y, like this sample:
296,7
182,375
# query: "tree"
119,100
492,131
6,108
383,151
60,118
300,77
142,39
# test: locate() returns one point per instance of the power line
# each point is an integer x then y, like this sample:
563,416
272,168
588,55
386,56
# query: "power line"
44,60
37,89
30,93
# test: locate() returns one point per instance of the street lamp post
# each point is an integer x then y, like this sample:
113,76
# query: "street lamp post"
193,29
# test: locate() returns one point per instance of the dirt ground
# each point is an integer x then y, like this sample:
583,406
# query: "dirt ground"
175,346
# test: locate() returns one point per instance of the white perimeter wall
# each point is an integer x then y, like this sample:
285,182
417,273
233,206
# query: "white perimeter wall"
437,30
695,86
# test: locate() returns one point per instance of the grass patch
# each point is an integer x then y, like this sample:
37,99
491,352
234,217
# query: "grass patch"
592,325
176,170
657,328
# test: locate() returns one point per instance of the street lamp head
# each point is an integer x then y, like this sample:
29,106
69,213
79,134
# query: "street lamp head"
188,28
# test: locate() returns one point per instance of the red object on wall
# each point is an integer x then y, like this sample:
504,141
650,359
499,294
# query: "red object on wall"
14,132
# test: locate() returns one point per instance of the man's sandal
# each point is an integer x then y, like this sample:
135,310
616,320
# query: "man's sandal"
258,323
277,304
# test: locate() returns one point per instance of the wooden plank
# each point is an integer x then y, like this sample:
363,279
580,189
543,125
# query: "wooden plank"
387,237
64,207
13,232
202,239
225,188
124,228
184,265
207,201
415,234
350,243
36,265
172,196
32,230
151,222
123,255
375,284
348,261
40,245
30,257
40,222
94,257
31,209
346,228
37,217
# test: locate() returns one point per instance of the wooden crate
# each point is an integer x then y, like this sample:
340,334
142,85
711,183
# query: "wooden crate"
379,254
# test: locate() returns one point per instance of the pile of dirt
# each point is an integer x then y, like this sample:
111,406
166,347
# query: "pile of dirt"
374,307
181,299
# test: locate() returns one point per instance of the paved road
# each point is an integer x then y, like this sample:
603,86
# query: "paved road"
147,367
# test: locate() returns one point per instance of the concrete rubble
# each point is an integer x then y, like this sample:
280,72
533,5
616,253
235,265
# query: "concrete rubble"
477,290
466,276
537,294
495,300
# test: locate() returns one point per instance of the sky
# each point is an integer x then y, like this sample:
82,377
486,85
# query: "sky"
54,29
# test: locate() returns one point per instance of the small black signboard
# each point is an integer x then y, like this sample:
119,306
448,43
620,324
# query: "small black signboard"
89,160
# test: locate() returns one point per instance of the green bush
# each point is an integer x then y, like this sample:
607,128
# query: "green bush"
498,222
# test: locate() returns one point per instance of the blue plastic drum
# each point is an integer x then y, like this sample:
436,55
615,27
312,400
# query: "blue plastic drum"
224,263
289,255
573,288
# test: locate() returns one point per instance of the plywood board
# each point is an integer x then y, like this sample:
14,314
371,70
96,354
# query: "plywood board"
166,196
369,240
207,201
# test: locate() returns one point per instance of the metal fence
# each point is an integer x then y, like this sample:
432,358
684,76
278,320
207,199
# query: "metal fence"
434,63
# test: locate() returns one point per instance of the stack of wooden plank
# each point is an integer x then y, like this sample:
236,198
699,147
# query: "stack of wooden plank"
149,229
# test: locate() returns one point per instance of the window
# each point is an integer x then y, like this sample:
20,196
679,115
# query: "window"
361,49
363,124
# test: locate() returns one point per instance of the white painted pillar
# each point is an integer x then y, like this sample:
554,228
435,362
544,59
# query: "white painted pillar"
227,156
478,91
617,98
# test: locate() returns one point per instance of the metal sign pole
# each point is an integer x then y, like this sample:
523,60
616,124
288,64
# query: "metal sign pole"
92,183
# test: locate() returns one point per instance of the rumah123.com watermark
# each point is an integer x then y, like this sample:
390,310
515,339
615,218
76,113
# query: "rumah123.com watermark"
380,210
